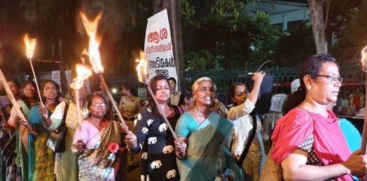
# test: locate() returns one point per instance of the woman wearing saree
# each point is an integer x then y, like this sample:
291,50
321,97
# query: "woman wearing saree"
204,138
41,158
28,99
7,140
66,166
97,141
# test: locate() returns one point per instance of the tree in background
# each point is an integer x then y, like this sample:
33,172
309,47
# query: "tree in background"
293,47
225,38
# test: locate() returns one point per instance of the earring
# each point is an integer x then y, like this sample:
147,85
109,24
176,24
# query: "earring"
309,87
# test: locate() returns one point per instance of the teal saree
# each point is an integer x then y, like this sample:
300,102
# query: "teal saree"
208,148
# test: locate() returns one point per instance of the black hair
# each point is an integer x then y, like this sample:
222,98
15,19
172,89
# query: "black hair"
171,78
23,97
89,102
186,93
57,90
153,86
129,86
232,90
311,66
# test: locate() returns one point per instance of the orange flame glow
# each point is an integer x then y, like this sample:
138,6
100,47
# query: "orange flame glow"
30,45
142,68
94,42
83,72
364,55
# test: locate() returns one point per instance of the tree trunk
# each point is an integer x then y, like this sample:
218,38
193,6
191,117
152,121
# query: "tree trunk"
318,25
174,15
63,82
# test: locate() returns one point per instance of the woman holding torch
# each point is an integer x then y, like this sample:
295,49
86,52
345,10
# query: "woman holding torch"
23,128
99,134
66,166
158,160
8,138
41,158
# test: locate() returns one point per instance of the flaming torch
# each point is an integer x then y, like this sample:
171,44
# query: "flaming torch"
83,73
30,46
11,96
95,58
142,70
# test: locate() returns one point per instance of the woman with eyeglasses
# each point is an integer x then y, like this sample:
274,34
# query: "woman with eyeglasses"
153,138
66,166
28,98
239,114
41,158
97,142
308,142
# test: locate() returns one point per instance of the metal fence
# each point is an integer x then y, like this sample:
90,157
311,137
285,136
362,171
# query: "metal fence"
354,80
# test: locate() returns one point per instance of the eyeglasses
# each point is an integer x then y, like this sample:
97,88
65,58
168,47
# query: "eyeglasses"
331,78
240,93
29,88
99,105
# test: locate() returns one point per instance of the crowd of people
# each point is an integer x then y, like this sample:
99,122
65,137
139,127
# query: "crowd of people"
211,141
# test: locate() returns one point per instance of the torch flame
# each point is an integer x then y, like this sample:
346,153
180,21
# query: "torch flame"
94,42
364,59
30,45
83,72
142,68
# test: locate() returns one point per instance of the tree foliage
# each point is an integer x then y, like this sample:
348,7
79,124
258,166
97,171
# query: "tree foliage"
233,40
293,47
351,35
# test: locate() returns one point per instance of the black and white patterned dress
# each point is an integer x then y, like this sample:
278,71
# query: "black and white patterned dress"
158,159
312,159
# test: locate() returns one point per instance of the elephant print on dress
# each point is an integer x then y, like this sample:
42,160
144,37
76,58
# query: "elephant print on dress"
144,155
162,127
171,174
150,121
142,178
144,130
156,164
167,149
152,140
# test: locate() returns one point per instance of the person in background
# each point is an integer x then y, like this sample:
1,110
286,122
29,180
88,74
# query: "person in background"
41,158
93,137
7,139
66,167
175,94
217,105
204,137
186,101
153,138
308,142
130,105
239,114
29,97
103,92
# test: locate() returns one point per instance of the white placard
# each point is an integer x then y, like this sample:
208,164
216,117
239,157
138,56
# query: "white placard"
158,46
55,76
